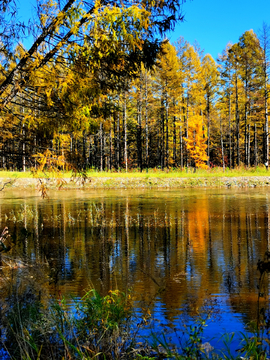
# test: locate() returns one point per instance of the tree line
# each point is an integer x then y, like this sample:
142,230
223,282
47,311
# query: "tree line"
99,89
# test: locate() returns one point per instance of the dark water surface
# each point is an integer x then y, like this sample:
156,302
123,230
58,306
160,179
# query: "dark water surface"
179,251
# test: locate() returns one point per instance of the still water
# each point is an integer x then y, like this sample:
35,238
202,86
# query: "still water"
180,252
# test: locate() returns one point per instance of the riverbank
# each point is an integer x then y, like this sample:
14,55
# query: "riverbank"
134,182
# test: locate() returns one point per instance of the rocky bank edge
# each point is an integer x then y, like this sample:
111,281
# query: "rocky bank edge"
142,182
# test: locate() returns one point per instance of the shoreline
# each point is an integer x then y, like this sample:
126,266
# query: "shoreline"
139,183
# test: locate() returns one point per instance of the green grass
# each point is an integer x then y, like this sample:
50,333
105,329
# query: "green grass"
15,174
176,173
150,173
28,174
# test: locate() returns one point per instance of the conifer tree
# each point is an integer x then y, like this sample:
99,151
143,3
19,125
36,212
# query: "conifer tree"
264,69
249,48
226,92
168,76
190,65
113,33
234,58
210,86
195,142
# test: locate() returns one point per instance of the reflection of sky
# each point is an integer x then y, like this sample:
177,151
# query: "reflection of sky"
223,324
160,263
67,270
115,255
226,323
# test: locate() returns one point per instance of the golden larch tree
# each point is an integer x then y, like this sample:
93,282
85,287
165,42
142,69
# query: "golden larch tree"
196,142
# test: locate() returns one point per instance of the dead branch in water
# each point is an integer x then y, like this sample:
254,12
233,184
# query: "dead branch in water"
10,182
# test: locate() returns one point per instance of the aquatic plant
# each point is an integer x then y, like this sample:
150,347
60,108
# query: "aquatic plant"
96,326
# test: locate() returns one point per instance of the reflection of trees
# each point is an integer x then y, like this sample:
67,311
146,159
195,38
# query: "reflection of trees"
171,249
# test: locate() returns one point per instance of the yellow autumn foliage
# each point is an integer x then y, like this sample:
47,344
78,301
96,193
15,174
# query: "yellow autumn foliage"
196,142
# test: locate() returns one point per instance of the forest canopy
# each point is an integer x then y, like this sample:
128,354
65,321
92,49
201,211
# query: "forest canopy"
101,87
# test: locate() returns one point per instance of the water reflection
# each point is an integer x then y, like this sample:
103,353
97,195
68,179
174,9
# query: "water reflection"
175,249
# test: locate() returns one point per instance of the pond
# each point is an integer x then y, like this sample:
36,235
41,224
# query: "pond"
181,252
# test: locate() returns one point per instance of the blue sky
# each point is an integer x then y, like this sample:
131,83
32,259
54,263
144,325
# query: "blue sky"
212,23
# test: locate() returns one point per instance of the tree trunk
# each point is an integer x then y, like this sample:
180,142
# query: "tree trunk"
233,150
23,150
159,152
181,150
125,131
222,148
101,145
114,141
167,126
118,140
187,115
248,146
237,120
194,144
266,126
208,129
174,141
162,135
139,126
146,124
230,130
95,151
111,146
255,146
84,150
90,152
246,109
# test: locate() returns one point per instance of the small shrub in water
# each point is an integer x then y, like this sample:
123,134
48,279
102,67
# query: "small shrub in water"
99,327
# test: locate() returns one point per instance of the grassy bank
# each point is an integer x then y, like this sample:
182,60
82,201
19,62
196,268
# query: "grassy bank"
152,173
154,178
